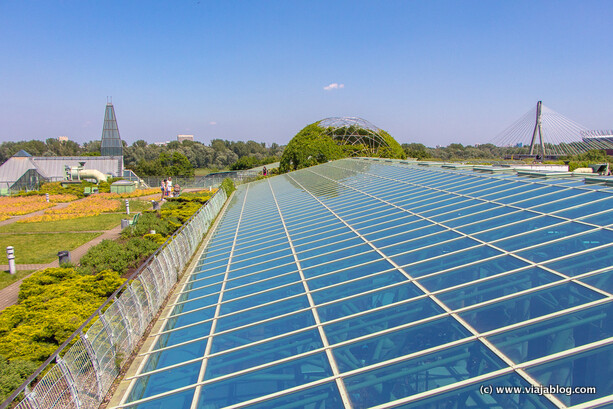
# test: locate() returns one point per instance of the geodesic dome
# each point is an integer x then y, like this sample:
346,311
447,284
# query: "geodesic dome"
354,131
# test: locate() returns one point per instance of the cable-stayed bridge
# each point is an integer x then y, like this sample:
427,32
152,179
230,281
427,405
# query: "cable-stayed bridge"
549,134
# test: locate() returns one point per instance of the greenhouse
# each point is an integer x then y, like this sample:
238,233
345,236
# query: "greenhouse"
378,283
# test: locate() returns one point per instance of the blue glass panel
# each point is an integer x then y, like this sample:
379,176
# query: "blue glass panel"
434,251
471,273
503,396
506,218
348,274
195,304
603,219
165,381
532,305
587,209
569,246
183,335
582,263
591,368
421,374
201,288
542,236
497,287
574,200
265,381
399,343
386,230
263,353
468,218
516,195
366,302
511,190
176,355
260,264
181,400
267,284
259,299
358,286
556,334
518,228
340,264
262,313
263,250
454,204
381,319
325,396
452,260
551,195
249,274
337,240
262,331
419,241
310,251
190,318
603,281
324,257
388,239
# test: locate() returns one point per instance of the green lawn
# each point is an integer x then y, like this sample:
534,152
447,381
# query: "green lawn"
7,279
137,205
42,248
105,221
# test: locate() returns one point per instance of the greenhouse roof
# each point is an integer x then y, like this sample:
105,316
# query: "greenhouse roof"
373,284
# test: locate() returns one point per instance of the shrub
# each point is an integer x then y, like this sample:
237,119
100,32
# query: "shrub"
13,374
53,303
228,186
115,256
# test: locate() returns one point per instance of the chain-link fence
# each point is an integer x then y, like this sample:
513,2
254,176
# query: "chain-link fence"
85,370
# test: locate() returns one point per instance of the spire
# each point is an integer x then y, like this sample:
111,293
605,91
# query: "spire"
111,142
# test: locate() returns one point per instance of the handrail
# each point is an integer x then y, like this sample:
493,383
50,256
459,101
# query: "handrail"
214,201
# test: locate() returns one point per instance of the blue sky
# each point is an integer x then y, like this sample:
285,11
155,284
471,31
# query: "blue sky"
433,72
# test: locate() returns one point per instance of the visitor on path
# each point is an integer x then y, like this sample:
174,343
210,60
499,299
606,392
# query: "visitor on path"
264,171
176,190
163,188
169,187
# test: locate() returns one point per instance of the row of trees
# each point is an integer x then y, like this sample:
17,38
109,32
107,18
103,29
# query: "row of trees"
173,159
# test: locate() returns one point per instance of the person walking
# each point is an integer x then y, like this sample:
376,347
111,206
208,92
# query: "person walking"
169,187
163,188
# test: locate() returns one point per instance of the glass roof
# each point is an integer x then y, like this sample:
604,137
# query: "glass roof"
359,284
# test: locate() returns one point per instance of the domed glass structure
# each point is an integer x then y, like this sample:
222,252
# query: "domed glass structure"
355,131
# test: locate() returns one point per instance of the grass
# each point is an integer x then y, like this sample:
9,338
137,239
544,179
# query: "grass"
105,221
136,205
43,247
7,278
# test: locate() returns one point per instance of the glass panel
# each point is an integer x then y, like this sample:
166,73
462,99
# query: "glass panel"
323,258
585,262
261,298
451,260
603,281
368,301
518,228
472,272
603,219
165,381
183,335
348,274
556,334
190,318
568,246
577,199
497,222
493,211
265,381
182,400
325,396
399,343
497,287
587,209
263,353
417,240
434,251
532,305
591,368
341,264
262,331
542,236
421,374
182,353
359,286
411,235
381,320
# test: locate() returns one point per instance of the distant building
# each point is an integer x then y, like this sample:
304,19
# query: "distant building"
182,138
62,138
111,142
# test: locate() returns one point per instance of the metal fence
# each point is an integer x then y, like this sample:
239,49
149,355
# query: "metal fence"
88,363
207,181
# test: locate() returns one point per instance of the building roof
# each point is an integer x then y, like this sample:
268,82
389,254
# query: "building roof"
381,284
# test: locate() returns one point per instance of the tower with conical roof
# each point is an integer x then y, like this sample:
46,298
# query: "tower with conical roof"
111,142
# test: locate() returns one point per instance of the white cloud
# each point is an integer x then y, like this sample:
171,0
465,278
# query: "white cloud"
334,85
212,123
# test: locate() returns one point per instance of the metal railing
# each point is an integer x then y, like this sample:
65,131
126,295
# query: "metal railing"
88,362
